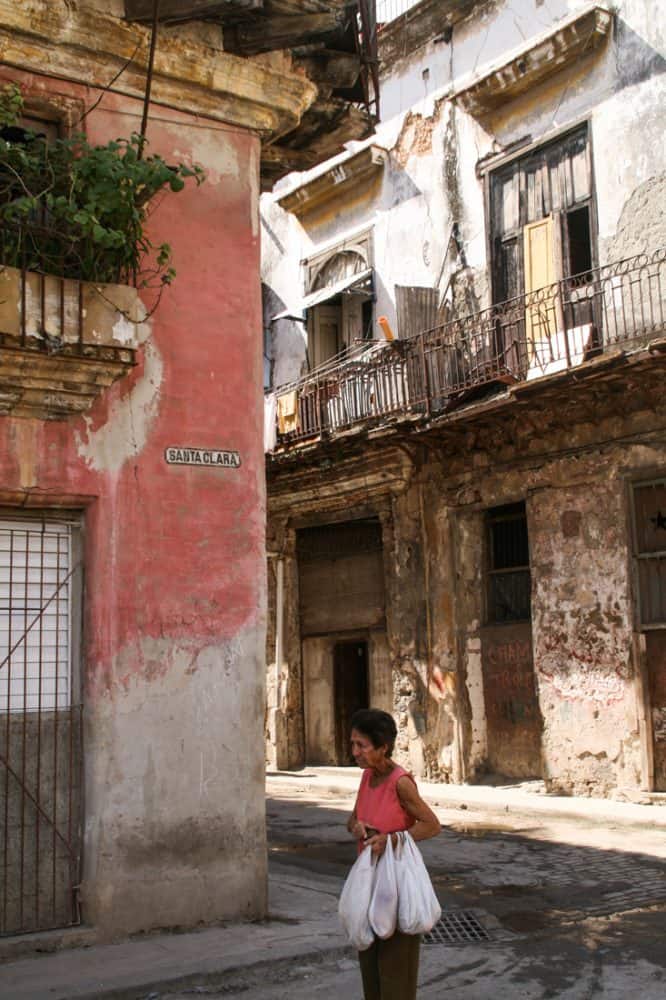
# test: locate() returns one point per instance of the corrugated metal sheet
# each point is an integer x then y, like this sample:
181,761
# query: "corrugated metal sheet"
416,308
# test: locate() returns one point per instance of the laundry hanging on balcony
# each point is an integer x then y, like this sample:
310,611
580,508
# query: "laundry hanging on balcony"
287,412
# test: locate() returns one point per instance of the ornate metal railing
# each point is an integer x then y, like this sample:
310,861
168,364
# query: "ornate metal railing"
531,336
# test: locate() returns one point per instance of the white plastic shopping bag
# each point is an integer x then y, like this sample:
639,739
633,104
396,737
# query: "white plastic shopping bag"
418,906
355,901
383,912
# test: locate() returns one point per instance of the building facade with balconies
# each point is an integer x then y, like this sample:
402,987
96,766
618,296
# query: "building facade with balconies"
464,336
132,570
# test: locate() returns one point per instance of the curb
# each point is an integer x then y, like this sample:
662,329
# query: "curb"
222,978
466,799
216,975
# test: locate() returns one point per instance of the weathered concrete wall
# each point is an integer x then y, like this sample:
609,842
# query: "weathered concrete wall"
430,182
583,617
469,542
174,612
583,634
575,482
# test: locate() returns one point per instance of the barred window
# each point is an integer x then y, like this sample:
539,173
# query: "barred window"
650,551
509,578
35,615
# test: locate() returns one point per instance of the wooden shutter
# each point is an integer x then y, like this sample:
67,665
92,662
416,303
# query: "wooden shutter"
542,265
416,308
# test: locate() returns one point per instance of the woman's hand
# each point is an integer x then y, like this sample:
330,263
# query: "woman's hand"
358,829
378,842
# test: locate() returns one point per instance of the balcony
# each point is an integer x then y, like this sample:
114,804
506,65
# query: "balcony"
62,341
529,339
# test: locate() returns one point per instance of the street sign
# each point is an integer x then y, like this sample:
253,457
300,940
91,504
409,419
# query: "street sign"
209,458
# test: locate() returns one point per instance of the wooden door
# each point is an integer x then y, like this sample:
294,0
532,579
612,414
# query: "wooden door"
326,337
350,685
655,647
512,708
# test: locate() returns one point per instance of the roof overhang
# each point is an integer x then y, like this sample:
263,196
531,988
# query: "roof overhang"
573,38
87,45
339,181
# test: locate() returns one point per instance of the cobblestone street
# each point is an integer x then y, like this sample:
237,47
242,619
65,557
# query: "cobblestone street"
570,910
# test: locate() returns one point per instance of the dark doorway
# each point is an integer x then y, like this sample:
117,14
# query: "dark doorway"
649,503
350,691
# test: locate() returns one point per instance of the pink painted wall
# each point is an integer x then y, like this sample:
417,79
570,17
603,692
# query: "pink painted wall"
174,556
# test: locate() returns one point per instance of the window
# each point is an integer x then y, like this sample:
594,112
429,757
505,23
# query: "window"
339,297
38,575
541,217
508,565
650,551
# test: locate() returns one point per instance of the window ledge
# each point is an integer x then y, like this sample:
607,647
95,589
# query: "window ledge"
578,35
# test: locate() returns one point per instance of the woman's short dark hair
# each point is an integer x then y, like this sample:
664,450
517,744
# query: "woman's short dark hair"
378,726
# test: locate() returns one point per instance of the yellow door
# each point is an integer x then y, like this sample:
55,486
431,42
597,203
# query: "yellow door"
541,272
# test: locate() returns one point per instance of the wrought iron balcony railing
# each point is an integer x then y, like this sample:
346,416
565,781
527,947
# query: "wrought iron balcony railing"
535,335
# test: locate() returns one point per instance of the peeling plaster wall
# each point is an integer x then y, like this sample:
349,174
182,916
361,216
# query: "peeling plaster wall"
430,182
583,615
435,601
582,621
575,482
174,609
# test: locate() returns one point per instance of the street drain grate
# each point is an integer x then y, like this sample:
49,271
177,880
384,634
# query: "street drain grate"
456,927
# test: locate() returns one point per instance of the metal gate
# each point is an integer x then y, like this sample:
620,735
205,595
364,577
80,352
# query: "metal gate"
40,726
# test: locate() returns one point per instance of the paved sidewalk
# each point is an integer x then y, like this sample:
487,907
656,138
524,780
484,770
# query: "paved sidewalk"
520,800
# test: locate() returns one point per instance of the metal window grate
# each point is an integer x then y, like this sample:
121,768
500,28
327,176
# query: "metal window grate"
35,625
456,927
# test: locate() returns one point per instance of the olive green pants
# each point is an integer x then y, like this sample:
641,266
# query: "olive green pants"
390,969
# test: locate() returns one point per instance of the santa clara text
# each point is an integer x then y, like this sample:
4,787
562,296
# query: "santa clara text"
209,457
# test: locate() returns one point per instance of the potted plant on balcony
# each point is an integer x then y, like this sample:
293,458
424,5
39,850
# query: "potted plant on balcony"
73,228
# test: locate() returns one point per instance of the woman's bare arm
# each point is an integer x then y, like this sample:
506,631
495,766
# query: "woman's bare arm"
355,826
427,825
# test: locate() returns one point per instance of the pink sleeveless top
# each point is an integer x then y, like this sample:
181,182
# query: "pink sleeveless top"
380,807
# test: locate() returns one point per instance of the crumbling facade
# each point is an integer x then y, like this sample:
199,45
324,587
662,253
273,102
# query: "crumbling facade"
132,572
466,522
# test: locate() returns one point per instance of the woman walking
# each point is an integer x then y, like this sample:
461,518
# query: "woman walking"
387,802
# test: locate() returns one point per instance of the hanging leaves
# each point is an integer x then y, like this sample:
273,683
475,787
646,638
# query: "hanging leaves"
78,210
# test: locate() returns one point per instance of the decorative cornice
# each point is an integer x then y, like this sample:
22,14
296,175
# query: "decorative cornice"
332,482
83,45
532,64
339,181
